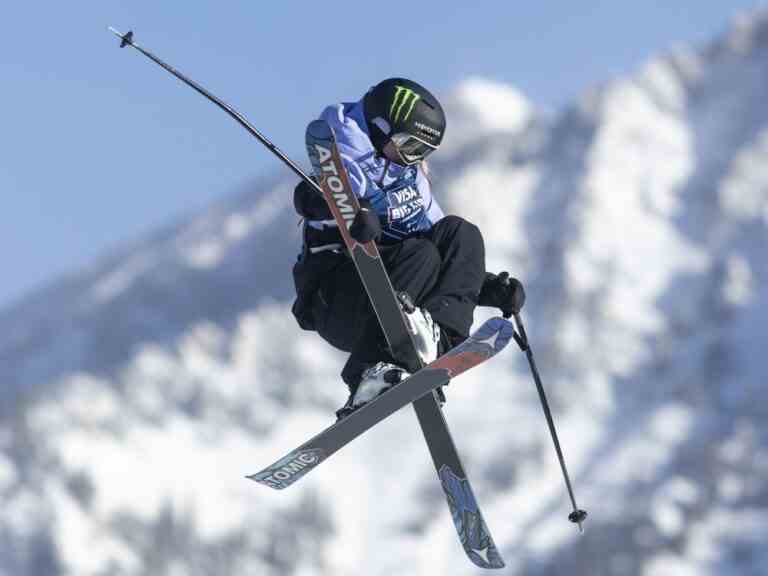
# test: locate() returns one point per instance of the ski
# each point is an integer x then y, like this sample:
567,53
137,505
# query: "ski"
329,170
484,343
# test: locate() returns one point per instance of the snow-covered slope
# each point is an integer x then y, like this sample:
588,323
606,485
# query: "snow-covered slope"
138,394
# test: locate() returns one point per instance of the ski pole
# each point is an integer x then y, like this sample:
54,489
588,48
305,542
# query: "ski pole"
127,40
578,516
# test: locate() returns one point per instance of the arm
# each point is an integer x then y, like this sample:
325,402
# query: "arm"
431,207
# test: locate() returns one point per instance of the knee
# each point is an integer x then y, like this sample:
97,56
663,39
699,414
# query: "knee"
426,255
460,226
416,267
455,229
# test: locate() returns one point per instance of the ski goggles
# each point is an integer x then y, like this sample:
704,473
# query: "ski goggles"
411,149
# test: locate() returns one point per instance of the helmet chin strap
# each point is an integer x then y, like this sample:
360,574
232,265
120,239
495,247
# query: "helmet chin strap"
390,153
387,162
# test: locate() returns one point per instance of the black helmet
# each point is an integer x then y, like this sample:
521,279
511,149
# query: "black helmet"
408,115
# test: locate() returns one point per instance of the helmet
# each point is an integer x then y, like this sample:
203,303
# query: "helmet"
406,115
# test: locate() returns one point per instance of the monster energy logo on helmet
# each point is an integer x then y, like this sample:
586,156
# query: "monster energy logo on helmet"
402,106
403,102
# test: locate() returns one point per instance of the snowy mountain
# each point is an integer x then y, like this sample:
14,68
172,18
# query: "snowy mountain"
136,395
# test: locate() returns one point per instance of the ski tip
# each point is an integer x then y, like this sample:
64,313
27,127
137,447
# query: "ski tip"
496,331
290,468
259,479
319,130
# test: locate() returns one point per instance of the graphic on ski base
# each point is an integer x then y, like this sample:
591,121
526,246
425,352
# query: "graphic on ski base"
338,193
490,339
469,523
286,471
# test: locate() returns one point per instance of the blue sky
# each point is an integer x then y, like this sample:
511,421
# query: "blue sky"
100,146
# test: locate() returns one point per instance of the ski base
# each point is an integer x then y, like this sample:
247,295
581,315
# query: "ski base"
492,337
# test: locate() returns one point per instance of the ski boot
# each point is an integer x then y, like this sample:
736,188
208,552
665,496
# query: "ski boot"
426,334
375,380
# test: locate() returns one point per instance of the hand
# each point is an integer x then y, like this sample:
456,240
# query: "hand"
309,203
366,225
503,292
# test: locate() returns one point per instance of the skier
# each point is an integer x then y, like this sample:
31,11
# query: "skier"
437,260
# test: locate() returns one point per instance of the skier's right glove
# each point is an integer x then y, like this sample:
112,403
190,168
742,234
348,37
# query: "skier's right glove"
366,225
503,292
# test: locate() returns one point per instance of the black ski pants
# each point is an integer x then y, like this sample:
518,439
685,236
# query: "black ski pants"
442,270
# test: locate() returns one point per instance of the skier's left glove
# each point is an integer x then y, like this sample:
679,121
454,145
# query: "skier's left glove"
366,226
503,292
309,203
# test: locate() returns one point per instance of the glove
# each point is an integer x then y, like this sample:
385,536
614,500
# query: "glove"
366,225
309,203
502,292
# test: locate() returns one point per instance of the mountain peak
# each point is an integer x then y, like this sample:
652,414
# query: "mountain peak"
749,30
136,396
482,106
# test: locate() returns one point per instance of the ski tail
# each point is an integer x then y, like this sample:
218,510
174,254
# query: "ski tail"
473,532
